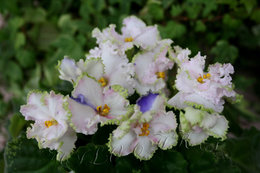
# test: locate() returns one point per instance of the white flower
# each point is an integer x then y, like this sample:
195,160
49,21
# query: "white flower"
134,32
50,126
199,88
117,70
91,104
69,70
196,126
151,68
149,127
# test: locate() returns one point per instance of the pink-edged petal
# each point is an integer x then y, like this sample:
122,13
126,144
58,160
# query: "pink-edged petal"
90,89
82,118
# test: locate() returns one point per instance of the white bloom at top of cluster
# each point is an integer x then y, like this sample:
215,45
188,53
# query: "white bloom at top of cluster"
134,33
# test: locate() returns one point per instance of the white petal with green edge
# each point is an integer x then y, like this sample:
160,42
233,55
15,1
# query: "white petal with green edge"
144,148
55,102
82,116
35,108
123,76
194,116
90,89
163,122
68,70
93,67
219,130
196,138
67,144
167,140
117,103
122,146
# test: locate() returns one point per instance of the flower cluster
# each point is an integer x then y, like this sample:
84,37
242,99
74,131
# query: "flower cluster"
104,81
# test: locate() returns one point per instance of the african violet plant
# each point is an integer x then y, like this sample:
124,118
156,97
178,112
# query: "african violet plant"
107,78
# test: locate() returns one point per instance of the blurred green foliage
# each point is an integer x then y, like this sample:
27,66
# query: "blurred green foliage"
37,34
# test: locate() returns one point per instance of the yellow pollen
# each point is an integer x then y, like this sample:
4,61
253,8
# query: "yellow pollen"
129,39
104,111
208,75
144,129
200,80
160,75
50,123
102,81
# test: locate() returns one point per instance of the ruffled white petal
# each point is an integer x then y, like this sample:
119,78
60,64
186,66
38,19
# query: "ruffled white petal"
220,128
117,103
132,26
90,89
82,118
67,144
196,137
144,149
68,70
148,38
94,67
163,122
166,140
122,146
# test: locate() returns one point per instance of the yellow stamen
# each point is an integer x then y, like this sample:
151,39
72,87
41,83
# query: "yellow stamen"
144,129
102,81
104,111
50,123
204,76
129,39
208,75
200,80
160,75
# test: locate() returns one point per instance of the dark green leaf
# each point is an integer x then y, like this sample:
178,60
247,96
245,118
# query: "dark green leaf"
23,155
90,158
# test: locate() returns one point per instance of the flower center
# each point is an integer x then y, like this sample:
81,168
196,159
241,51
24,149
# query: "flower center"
103,81
160,75
144,129
104,111
50,123
201,79
129,39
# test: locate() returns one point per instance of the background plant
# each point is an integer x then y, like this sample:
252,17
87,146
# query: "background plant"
35,34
